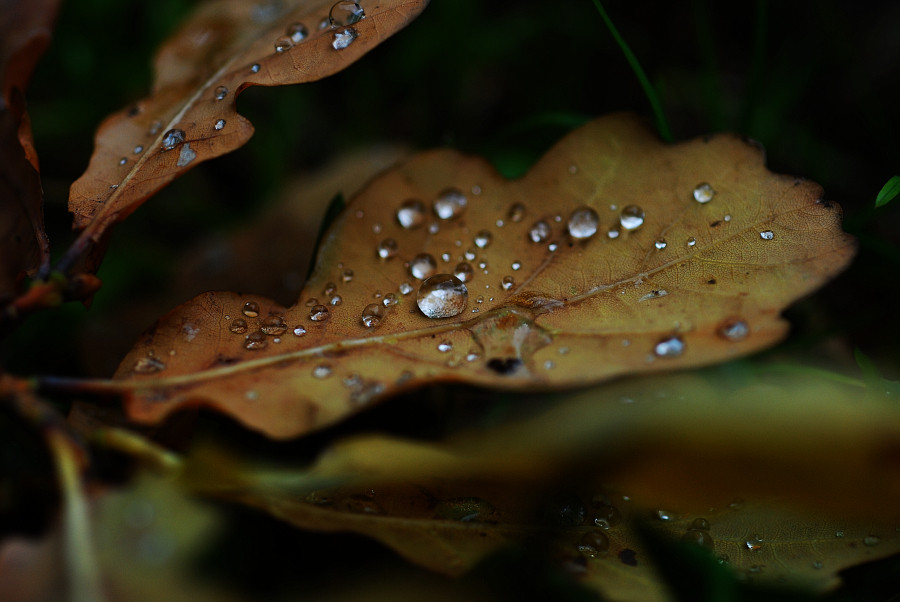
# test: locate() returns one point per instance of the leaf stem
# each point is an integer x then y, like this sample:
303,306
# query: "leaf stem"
661,124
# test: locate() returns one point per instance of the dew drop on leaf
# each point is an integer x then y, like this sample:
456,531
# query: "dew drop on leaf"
347,275
704,193
871,540
507,282
754,543
221,92
342,38
767,235
148,365
238,326
299,331
345,13
254,68
594,543
470,255
411,214
322,371
691,241
273,325
539,232
613,233
450,204
250,309
631,217
138,149
255,340
445,346
123,161
297,32
442,296
671,347
422,266
186,155
516,213
660,244
583,223
701,524
373,314
318,313
220,123
336,300
154,128
483,239
734,330
387,248
330,289
405,288
312,301
390,300
699,537
283,44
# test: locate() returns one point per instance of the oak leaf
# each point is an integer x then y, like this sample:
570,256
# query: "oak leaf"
225,47
615,254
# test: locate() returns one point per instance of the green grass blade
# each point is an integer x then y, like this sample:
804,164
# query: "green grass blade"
889,192
661,124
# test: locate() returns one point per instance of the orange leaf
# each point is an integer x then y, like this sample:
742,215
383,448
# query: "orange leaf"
191,117
615,254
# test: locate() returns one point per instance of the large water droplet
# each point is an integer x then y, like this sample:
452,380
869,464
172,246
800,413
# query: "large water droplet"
422,266
767,235
345,13
172,138
250,309
283,44
387,248
411,214
483,239
583,223
450,203
671,347
342,38
255,341
734,330
373,314
273,325
297,32
539,232
318,313
221,92
442,296
704,193
238,326
148,365
631,217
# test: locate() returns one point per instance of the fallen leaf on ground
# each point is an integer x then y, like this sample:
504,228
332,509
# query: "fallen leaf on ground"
743,453
25,29
191,117
615,254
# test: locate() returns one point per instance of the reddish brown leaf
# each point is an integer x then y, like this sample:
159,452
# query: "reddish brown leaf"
693,283
225,47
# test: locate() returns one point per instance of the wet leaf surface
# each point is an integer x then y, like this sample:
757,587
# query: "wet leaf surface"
25,29
727,464
191,117
615,254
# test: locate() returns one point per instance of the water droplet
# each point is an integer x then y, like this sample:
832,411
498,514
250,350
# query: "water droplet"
148,365
154,128
322,371
727,218
373,314
254,68
273,325
255,340
734,330
422,266
299,331
660,244
297,32
113,186
516,266
347,275
583,223
754,543
345,13
312,301
699,537
450,203
671,347
442,296
549,365
631,217
445,257
123,161
700,524
483,239
445,346
405,288
390,300
664,515
221,92
463,271
480,299
552,247
539,232
138,149
691,241
473,355
516,212
838,533
507,282
470,255
871,540
318,313
330,289
613,232
342,38
186,155
283,44
704,193
817,564
387,248
411,214
220,123
767,235
251,309
239,326
594,543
